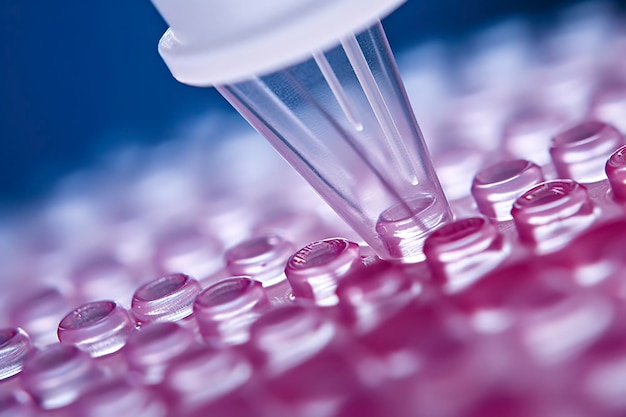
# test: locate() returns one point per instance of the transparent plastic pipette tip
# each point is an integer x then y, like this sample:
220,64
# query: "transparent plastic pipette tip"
341,118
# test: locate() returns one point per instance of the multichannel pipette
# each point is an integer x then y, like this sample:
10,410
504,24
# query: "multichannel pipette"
319,81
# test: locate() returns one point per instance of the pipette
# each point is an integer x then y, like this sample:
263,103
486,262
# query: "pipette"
319,81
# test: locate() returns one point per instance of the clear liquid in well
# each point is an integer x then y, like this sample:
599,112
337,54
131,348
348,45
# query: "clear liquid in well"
404,226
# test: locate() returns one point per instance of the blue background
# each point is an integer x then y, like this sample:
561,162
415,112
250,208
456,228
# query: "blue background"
79,77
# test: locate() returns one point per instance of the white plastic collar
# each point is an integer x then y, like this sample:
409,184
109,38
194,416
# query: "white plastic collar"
213,42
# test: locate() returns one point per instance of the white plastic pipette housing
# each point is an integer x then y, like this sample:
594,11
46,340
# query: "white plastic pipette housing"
223,42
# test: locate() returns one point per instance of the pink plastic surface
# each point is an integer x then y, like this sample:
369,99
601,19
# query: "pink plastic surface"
517,309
